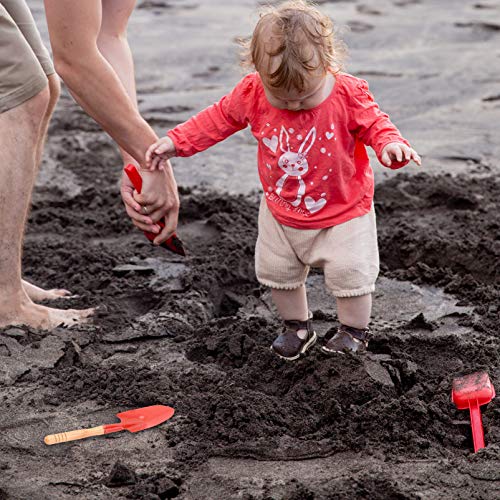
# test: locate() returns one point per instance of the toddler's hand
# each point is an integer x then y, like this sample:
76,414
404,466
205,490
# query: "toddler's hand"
162,149
399,152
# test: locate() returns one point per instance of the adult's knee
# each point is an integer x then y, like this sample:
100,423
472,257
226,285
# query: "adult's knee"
30,115
34,109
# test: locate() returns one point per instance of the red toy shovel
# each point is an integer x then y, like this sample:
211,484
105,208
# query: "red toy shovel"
173,244
473,391
132,421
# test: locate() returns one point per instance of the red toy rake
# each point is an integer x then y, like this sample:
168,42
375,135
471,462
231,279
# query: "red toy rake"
174,244
132,421
473,391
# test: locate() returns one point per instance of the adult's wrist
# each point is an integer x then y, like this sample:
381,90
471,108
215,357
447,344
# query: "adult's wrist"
143,138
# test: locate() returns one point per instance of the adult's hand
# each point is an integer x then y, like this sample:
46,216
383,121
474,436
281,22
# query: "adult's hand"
134,209
159,200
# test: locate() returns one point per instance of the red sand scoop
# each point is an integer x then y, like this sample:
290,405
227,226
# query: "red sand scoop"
174,244
132,421
473,391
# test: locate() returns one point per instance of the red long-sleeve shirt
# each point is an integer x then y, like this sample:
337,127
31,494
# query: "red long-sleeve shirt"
312,163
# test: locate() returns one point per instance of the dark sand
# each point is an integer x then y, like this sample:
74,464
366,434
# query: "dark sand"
194,333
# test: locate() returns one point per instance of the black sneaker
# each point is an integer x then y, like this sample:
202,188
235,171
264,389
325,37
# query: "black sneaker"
346,339
289,345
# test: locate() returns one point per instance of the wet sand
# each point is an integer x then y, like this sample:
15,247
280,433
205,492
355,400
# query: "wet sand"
194,333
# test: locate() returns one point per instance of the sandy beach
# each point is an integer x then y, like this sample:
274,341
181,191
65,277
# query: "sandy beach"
194,333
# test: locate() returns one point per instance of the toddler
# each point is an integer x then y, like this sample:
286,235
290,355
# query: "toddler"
312,122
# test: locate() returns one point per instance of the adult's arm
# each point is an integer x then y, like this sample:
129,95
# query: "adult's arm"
74,28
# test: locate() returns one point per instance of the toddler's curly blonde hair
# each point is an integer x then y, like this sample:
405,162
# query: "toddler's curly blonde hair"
299,39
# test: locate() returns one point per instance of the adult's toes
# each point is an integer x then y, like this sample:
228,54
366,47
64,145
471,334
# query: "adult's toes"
61,292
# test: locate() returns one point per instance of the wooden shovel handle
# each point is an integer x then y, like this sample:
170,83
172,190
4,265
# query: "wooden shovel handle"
63,437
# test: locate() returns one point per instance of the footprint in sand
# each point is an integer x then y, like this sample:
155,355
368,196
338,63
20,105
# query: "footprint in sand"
479,26
366,9
359,26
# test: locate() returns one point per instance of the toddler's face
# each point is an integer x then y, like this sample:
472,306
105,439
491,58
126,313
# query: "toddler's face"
316,91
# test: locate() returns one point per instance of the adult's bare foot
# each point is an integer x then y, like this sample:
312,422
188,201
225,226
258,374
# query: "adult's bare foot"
26,312
38,294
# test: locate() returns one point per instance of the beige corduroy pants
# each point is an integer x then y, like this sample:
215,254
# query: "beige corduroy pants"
347,253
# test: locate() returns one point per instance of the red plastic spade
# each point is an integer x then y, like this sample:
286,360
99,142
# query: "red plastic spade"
132,421
473,391
174,244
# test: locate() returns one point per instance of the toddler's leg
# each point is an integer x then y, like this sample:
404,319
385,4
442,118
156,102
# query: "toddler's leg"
351,269
291,304
353,333
278,267
355,311
298,334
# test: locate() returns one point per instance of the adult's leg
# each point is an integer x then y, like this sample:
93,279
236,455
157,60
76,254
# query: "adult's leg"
113,45
23,19
54,92
34,292
20,129
26,102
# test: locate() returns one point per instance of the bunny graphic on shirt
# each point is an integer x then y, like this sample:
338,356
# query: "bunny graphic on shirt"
294,165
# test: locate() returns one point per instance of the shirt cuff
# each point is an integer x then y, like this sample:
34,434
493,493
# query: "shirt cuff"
180,150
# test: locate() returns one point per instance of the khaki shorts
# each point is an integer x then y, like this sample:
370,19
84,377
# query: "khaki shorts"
24,61
347,253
